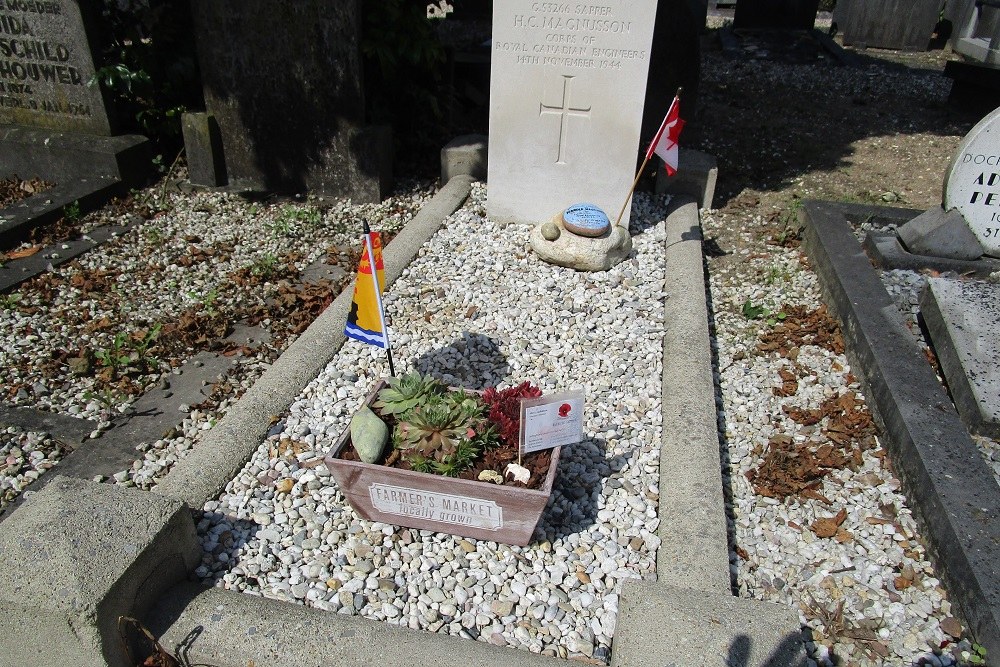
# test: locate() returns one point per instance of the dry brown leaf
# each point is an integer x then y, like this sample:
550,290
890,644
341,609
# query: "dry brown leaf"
828,526
24,252
844,536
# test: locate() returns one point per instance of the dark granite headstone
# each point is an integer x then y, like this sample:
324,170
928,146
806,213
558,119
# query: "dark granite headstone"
53,123
284,82
674,62
46,62
775,14
888,24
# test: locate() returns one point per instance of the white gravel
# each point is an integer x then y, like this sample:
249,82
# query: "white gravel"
869,595
475,307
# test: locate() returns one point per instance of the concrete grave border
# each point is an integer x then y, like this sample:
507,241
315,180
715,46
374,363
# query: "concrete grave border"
109,167
954,493
659,623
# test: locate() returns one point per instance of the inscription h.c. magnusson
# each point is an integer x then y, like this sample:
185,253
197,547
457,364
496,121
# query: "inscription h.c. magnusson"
32,64
571,37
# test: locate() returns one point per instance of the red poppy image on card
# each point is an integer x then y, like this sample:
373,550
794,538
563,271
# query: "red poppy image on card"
551,421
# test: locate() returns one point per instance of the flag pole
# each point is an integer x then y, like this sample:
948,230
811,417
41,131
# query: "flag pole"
378,295
649,154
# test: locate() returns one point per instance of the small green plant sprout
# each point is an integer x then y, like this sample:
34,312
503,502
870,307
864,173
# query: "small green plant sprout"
777,273
154,235
207,301
293,214
105,397
129,352
9,301
72,211
977,656
753,311
264,267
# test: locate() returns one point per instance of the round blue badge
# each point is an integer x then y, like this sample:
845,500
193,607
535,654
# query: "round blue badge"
586,220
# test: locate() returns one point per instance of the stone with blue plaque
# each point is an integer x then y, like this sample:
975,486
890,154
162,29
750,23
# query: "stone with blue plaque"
586,220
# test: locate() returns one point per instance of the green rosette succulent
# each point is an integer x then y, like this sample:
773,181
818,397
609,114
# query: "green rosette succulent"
405,393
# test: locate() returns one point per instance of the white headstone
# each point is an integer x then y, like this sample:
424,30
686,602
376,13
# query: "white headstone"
972,184
567,84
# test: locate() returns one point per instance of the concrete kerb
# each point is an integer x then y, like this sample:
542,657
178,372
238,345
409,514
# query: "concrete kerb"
691,603
75,556
944,475
203,474
694,552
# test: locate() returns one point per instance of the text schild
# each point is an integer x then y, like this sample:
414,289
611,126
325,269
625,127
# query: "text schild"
972,183
551,421
443,507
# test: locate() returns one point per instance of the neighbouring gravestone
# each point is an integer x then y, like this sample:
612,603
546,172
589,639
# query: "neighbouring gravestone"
889,24
567,83
972,182
284,83
962,319
53,123
46,64
775,14
674,62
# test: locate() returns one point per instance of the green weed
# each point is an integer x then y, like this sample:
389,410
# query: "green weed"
753,311
129,352
777,274
265,267
207,300
72,211
291,214
9,301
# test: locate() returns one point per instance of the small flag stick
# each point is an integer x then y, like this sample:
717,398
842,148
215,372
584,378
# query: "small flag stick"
649,154
378,296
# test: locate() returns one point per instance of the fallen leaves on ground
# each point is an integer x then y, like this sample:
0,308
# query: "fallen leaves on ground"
13,190
828,526
791,468
22,253
802,326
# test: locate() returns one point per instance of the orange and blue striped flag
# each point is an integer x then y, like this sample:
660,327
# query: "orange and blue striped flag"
366,321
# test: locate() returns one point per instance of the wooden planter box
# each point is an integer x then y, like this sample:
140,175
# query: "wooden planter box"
481,510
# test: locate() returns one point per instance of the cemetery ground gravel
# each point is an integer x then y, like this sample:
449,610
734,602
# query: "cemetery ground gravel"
829,533
846,553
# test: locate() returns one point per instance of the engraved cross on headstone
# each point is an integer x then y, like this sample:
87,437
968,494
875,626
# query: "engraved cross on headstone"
564,111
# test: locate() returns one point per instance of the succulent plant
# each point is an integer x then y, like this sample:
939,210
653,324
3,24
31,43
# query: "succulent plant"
504,407
406,392
441,434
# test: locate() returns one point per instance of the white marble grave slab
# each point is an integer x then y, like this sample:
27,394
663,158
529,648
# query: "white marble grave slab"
567,84
972,183
963,320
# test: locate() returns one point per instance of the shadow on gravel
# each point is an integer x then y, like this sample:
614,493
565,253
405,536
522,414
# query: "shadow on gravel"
770,123
724,457
473,362
227,534
572,508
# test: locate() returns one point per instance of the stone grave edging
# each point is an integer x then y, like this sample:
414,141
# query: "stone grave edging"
944,475
223,452
659,621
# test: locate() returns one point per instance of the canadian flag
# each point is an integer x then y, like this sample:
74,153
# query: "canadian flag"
665,142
